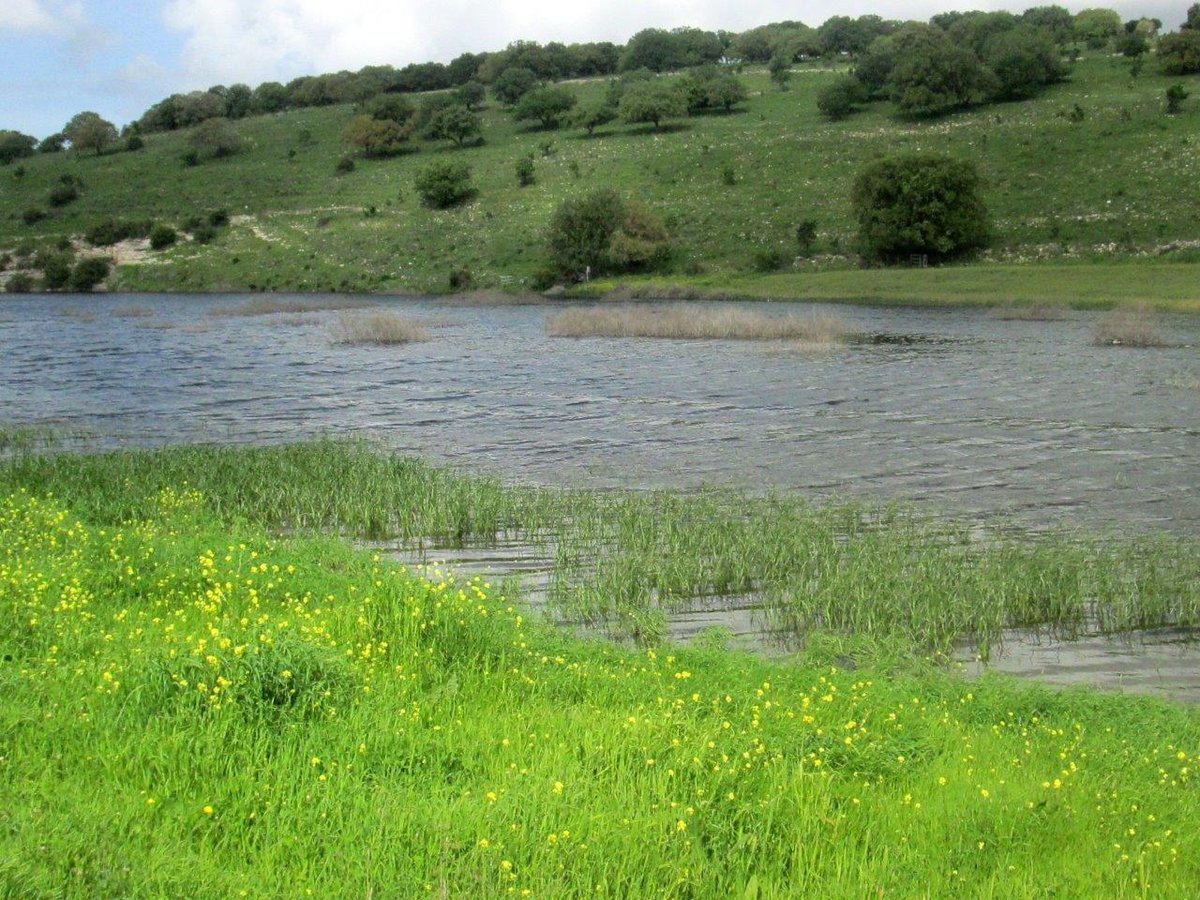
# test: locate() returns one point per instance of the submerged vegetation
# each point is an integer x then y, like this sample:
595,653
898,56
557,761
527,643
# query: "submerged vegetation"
192,706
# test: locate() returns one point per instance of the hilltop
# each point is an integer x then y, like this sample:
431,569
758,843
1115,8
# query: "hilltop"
1092,170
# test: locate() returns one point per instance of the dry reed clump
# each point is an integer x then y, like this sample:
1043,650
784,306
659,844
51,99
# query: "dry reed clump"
379,328
265,306
685,322
624,293
1032,312
1129,328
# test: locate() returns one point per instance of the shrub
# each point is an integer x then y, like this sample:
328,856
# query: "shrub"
218,218
376,137
652,102
191,158
62,194
918,204
601,232
461,279
840,97
770,259
525,175
33,215
444,184
55,268
806,236
204,233
548,106
594,115
1175,97
134,142
88,273
111,231
344,165
456,123
20,283
215,137
162,237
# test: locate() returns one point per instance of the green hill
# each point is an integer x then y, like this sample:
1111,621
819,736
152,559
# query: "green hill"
1092,170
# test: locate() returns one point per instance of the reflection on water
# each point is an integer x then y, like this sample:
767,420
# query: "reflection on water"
954,409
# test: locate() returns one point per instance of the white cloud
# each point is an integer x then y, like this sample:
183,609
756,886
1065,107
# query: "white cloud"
40,16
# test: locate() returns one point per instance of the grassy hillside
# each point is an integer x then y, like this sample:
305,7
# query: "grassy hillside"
1121,183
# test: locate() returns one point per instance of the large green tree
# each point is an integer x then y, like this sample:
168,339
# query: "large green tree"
88,131
14,145
919,205
653,102
548,105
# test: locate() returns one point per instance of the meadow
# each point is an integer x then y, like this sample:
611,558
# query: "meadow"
196,703
1069,196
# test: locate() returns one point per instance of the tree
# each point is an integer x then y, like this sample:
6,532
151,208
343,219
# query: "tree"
376,137
457,123
1192,23
652,101
216,137
269,97
471,95
1131,44
87,131
1096,27
52,143
654,49
1179,53
162,236
391,108
14,145
1023,61
444,184
919,204
840,97
547,105
1055,21
525,173
710,87
601,232
512,84
933,76
593,115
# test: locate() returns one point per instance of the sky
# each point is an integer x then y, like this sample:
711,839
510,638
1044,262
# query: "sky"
118,57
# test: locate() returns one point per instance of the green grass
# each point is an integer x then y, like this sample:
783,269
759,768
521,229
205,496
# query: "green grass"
1120,185
191,708
626,560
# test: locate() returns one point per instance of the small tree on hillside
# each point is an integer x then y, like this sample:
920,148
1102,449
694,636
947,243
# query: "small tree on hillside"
513,83
841,97
88,273
376,137
87,131
601,232
1179,53
548,105
919,205
653,102
444,184
457,123
14,145
594,115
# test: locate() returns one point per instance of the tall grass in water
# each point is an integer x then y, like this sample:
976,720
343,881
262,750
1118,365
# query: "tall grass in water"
381,328
266,306
1129,328
192,709
624,560
688,322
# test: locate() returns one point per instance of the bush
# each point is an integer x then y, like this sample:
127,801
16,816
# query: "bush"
770,259
1175,97
840,97
218,218
344,165
88,273
215,137
162,237
603,233
377,137
55,268
191,158
111,231
33,215
134,142
806,236
548,106
919,205
204,233
461,279
20,283
444,184
525,175
63,193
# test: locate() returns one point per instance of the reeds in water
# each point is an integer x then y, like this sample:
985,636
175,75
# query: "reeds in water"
682,321
377,328
1129,328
